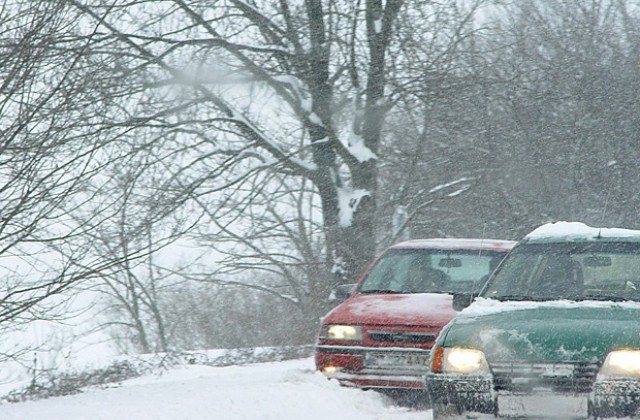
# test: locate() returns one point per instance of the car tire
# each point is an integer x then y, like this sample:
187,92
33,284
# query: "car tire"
414,398
442,411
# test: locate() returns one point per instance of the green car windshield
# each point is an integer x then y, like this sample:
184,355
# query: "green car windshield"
574,271
430,271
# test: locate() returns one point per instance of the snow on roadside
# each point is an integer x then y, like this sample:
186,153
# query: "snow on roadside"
278,390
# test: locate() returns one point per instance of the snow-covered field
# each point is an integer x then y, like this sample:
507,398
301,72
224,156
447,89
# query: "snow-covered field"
278,390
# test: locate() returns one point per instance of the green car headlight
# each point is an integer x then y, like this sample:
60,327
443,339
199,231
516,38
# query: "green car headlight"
459,360
622,363
341,332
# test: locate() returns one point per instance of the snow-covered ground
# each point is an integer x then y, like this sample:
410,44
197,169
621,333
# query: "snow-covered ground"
278,390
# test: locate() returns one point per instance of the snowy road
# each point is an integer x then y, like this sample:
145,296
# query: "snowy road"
279,391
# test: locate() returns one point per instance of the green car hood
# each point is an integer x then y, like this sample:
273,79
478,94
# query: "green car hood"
545,331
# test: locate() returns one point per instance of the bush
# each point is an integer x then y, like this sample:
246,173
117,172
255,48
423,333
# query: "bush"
54,384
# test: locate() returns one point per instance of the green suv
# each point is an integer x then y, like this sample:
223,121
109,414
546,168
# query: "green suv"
555,332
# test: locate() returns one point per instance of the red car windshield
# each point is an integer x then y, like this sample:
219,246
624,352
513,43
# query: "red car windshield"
430,271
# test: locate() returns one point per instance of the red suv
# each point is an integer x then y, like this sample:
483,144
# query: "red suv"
381,335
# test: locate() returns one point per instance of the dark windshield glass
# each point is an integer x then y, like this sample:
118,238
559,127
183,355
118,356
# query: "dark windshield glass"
577,271
428,270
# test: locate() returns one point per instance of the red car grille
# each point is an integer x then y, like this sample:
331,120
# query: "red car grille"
402,336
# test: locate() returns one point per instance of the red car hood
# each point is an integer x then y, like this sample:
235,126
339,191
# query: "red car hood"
419,309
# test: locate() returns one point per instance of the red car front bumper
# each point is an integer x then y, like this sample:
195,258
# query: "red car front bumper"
373,367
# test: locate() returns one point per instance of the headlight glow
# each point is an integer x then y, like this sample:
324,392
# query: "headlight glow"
463,360
342,332
622,363
330,370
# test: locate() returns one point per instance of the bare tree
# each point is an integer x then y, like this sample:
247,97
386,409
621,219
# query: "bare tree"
141,226
539,114
426,163
317,71
206,316
44,164
565,109
54,185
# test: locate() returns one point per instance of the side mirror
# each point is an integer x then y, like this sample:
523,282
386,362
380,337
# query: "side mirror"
462,300
341,292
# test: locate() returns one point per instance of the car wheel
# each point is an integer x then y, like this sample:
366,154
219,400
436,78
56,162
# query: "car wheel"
442,411
414,398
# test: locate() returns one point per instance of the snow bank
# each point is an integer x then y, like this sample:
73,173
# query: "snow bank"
280,390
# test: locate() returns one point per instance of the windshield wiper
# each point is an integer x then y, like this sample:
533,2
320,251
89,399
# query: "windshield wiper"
522,298
633,298
381,291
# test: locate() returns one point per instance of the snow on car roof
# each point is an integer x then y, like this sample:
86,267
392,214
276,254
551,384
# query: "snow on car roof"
577,231
458,243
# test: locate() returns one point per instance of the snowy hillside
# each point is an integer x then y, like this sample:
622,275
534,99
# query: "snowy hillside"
278,390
